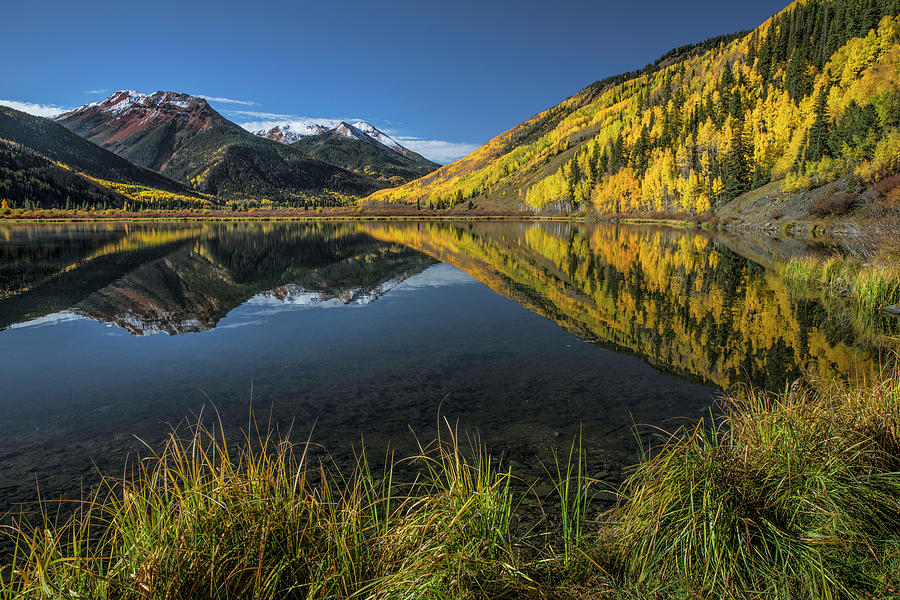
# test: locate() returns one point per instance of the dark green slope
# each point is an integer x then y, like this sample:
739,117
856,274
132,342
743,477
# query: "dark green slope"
235,164
373,160
28,178
57,143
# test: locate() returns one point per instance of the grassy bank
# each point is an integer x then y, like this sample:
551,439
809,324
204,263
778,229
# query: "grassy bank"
793,496
790,496
868,286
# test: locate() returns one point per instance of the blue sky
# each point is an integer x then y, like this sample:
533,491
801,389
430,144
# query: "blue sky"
442,77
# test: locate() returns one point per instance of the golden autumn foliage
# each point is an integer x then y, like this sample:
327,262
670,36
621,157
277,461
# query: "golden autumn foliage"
680,299
621,190
705,125
150,197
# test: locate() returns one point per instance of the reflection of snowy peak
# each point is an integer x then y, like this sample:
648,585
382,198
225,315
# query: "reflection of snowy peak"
190,284
144,325
141,308
143,318
146,318
295,295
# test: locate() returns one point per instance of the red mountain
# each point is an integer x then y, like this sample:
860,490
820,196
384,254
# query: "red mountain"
184,138
145,129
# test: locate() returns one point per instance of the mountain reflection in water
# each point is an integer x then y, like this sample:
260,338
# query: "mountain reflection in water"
365,330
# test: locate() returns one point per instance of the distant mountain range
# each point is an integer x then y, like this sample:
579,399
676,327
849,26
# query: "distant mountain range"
185,139
360,147
360,131
364,149
809,97
172,150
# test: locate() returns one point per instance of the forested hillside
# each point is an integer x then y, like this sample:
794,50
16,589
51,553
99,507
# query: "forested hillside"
43,165
27,178
58,144
808,97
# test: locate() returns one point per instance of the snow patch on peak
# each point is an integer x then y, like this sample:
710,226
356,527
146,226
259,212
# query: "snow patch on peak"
117,101
379,136
288,133
349,131
126,100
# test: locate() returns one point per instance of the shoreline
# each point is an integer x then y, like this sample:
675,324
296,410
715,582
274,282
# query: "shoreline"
707,500
800,229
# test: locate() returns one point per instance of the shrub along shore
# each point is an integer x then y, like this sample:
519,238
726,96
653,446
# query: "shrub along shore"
791,495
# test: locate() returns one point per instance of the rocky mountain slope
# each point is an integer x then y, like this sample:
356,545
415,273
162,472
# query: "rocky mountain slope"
185,139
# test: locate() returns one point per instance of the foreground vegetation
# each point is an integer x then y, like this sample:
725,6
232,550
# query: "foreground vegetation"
869,287
865,283
790,496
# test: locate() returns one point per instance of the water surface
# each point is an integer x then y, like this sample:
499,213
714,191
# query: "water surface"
526,333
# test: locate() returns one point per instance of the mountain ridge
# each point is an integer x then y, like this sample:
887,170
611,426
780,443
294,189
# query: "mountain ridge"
184,138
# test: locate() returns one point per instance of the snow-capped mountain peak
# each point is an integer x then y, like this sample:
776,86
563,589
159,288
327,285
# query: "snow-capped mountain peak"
366,132
289,133
379,136
127,100
346,130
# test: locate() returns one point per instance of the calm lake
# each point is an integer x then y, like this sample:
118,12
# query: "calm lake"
374,332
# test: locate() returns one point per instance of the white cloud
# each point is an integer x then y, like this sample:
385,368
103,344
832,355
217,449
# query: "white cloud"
440,151
228,100
40,110
257,114
95,92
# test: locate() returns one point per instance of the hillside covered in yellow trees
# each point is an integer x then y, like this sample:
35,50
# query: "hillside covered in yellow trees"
809,97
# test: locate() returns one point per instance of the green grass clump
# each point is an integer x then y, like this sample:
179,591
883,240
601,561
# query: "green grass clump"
876,287
197,522
790,496
794,496
572,485
869,287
